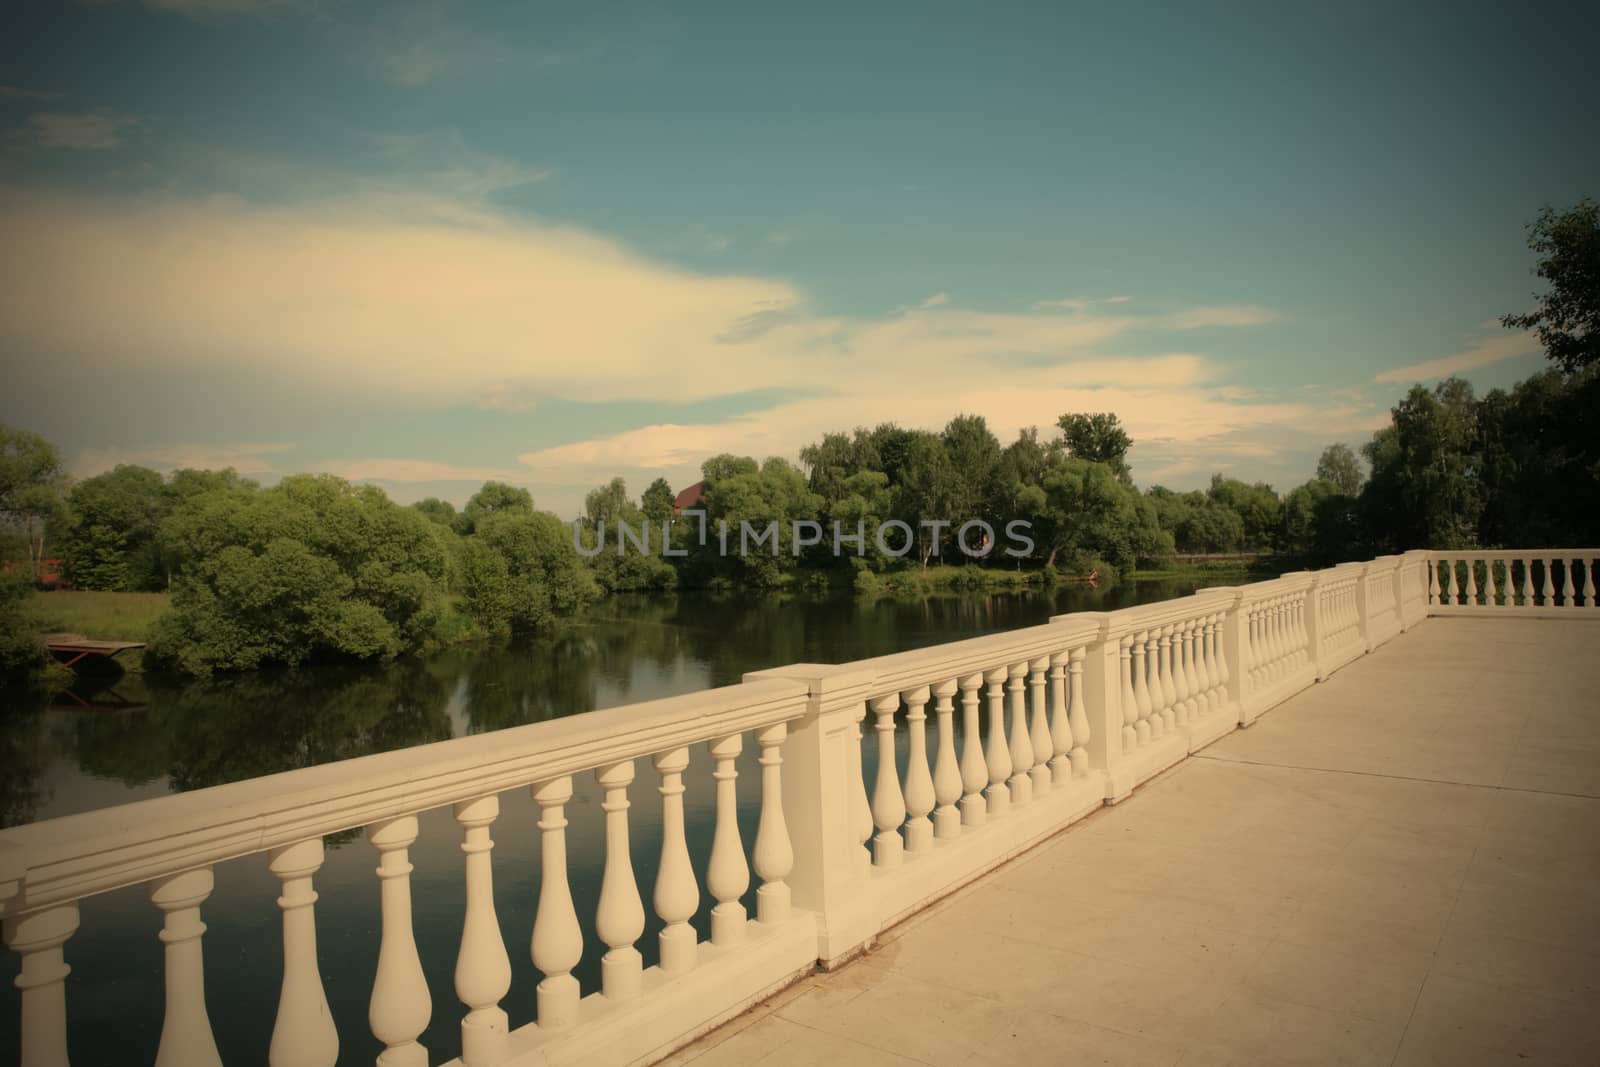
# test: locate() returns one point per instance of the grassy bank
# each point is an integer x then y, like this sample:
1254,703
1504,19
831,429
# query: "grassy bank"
1242,570
102,616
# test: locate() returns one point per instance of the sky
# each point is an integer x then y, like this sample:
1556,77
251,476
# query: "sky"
430,244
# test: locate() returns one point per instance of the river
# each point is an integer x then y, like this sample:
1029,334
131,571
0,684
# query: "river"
142,736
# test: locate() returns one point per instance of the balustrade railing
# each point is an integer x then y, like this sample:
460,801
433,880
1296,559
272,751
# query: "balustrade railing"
881,785
1527,580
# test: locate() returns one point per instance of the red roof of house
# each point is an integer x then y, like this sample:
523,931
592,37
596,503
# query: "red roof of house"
689,497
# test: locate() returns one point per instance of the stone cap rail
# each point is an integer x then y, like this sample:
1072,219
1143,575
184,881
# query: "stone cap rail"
81,855
959,659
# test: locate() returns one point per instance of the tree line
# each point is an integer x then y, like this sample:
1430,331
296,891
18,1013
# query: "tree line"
316,567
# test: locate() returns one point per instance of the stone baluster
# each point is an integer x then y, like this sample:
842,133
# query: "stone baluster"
861,821
919,782
1549,586
1020,783
1039,722
619,916
1450,581
1433,582
557,943
1588,582
946,771
888,803
1252,644
186,1038
727,874
1160,724
1218,661
997,796
1567,590
1129,701
1078,715
1183,661
37,937
1472,581
483,969
677,894
303,1034
774,853
1490,593
1060,724
1527,583
1202,671
1276,638
1138,710
974,769
400,1008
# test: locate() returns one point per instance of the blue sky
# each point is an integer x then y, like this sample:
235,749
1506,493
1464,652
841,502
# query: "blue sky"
427,244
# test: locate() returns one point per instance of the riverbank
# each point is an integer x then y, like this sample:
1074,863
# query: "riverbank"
102,616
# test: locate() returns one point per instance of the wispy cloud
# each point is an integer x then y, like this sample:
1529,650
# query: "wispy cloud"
936,300
1486,352
93,130
251,460
1078,303
1219,315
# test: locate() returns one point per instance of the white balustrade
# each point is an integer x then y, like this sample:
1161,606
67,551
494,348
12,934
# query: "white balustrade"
619,918
774,854
1078,715
888,803
1136,709
186,1038
997,797
1020,783
557,944
974,768
304,1034
677,895
947,777
1039,730
483,967
727,875
37,937
399,1009
919,798
1060,723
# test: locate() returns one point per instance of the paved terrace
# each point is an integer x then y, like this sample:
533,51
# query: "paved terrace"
1400,865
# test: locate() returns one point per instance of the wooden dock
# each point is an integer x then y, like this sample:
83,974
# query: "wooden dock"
78,646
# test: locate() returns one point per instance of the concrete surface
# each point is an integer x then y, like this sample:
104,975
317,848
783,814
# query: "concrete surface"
1400,865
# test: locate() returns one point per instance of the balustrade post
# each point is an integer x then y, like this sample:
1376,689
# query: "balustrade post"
919,782
727,874
1362,617
997,797
483,968
1134,666
400,1007
1433,580
1078,714
619,917
677,894
974,769
1167,693
557,943
1039,722
1549,585
1183,671
1588,582
1527,583
774,855
1060,724
888,803
37,937
186,1038
946,771
303,1034
1020,783
1567,590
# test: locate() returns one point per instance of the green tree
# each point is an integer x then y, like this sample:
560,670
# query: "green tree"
492,499
1098,438
1340,465
112,539
926,490
525,572
21,650
1425,490
32,492
441,512
657,501
312,567
1257,506
1567,316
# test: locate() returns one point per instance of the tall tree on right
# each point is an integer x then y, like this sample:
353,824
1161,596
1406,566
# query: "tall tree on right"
1098,438
1567,317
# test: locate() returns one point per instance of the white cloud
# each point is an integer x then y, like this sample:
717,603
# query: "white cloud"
54,129
416,470
1487,351
936,300
250,460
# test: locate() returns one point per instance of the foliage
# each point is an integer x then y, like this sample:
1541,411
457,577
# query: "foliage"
107,616
657,500
1340,465
1424,490
523,571
311,567
21,650
112,541
32,484
1098,438
1567,317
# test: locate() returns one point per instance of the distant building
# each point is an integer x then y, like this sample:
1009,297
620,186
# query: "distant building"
689,498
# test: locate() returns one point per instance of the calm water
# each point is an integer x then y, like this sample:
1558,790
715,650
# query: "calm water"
141,737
